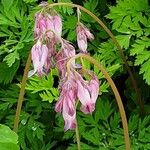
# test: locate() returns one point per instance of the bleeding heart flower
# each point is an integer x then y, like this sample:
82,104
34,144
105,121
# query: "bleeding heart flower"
50,26
83,34
67,51
87,93
66,103
39,55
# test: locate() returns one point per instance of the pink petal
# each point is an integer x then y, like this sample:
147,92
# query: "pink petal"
88,108
59,105
57,24
70,118
83,34
94,89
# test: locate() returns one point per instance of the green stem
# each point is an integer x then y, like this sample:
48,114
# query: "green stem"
21,94
77,136
133,81
77,132
115,91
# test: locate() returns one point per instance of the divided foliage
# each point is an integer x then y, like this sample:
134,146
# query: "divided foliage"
131,20
15,35
40,127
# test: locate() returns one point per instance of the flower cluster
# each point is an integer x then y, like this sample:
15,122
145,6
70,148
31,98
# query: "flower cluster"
73,87
76,88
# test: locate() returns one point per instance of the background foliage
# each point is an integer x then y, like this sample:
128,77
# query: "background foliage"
40,127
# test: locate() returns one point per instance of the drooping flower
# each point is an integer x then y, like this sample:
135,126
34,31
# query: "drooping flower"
57,23
83,34
47,25
67,51
66,103
40,26
39,55
48,29
87,93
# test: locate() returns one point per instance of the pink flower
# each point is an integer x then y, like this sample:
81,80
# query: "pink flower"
57,23
51,53
69,114
83,34
87,93
40,25
50,26
66,103
94,88
67,51
39,55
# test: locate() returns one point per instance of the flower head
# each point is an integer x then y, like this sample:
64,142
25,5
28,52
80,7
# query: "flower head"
39,55
83,34
66,103
67,51
87,93
50,26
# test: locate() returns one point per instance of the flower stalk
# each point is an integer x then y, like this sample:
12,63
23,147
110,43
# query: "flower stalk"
21,94
78,137
132,78
114,89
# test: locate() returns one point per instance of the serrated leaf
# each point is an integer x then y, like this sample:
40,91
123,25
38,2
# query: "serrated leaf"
2,34
7,4
7,73
30,1
105,110
145,69
66,9
142,57
6,21
50,95
90,137
133,123
115,120
124,40
10,58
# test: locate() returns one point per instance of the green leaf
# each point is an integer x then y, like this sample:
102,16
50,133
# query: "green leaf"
7,4
90,137
66,9
8,139
30,1
133,123
10,58
115,120
50,95
105,110
124,40
140,59
7,73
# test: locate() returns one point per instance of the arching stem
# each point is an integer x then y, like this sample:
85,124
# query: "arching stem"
115,91
78,137
133,81
77,132
21,94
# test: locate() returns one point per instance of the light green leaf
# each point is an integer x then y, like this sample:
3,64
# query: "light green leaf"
10,58
7,4
145,68
124,40
8,139
142,57
5,75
